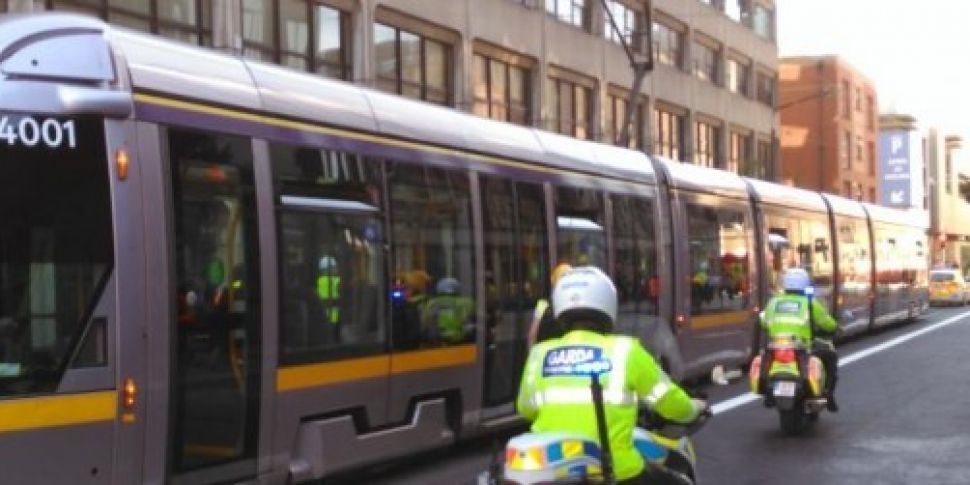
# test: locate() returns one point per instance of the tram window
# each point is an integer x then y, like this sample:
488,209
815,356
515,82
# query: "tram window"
719,262
516,277
332,268
635,262
433,280
581,233
855,262
56,254
798,240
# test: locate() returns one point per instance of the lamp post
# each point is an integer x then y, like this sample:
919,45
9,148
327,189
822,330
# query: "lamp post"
641,65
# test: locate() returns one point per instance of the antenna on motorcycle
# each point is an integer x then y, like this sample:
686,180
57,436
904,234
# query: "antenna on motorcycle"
606,460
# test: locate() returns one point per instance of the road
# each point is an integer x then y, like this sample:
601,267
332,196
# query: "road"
905,405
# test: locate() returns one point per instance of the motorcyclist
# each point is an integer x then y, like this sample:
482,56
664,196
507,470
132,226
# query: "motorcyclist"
787,313
555,395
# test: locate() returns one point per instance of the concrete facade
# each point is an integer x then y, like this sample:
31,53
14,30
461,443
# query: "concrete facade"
948,165
525,30
829,127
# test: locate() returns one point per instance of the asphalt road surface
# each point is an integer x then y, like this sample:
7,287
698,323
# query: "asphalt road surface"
904,395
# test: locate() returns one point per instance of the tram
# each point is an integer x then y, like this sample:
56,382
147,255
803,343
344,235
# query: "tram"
216,270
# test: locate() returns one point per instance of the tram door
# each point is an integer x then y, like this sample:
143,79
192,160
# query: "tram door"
214,398
516,277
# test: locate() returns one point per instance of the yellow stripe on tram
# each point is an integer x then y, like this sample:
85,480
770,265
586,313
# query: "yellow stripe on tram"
715,320
318,375
433,359
52,411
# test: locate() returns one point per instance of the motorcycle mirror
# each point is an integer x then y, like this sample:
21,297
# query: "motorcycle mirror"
723,377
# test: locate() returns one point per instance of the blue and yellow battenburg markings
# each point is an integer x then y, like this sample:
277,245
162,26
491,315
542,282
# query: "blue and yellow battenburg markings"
575,360
556,456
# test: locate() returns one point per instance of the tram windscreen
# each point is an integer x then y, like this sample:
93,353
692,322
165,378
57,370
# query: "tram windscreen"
55,244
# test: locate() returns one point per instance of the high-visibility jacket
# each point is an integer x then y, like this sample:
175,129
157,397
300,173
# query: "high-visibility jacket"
447,315
555,391
328,290
788,314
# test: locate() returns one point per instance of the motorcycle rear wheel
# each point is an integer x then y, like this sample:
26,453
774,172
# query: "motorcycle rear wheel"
792,421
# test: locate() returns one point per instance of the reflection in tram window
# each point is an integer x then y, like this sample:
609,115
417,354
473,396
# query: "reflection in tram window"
516,277
433,280
216,372
333,288
635,261
719,262
581,234
56,254
800,240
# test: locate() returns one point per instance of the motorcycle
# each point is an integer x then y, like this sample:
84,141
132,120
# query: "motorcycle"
564,458
791,380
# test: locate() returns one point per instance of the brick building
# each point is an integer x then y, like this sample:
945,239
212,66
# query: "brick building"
829,127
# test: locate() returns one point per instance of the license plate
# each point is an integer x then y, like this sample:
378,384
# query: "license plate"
784,389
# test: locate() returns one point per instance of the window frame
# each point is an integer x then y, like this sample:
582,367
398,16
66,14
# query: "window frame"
399,81
559,80
552,9
202,29
510,61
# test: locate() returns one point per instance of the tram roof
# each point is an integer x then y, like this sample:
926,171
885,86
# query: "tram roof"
686,176
783,195
918,219
188,72
845,207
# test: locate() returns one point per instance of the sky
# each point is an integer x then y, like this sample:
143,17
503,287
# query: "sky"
916,52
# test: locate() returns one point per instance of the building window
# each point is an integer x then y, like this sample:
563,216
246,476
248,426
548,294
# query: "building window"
871,158
309,36
738,75
859,148
711,3
706,144
737,10
872,195
616,113
185,20
740,158
629,22
574,12
764,160
844,146
412,65
501,90
870,112
858,98
766,88
763,22
847,189
571,108
668,45
705,62
846,102
668,129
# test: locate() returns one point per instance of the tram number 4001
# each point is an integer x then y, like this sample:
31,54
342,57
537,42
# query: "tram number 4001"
31,132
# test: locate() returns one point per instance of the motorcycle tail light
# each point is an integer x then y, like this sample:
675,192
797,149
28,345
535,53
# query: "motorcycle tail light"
784,356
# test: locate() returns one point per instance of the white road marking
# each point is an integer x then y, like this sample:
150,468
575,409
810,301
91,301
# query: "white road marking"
746,398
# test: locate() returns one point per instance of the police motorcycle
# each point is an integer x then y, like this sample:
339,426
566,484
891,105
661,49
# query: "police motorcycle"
564,458
791,380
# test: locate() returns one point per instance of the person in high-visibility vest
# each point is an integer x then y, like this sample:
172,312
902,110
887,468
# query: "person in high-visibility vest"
328,289
794,312
447,315
555,395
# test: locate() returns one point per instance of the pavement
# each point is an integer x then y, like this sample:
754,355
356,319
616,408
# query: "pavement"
904,419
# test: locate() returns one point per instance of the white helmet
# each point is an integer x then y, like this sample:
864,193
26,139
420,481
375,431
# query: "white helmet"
796,279
448,286
327,263
585,293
